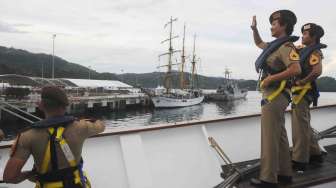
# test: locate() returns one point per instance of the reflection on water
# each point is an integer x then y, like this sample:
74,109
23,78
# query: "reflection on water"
228,107
204,111
225,108
126,118
177,115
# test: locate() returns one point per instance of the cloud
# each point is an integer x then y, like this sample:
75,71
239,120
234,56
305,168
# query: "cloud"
126,34
11,28
329,68
124,6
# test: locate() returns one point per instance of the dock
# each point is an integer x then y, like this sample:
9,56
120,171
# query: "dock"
84,94
79,104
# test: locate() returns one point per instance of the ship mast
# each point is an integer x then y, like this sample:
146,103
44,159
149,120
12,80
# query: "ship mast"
182,60
171,51
193,63
227,75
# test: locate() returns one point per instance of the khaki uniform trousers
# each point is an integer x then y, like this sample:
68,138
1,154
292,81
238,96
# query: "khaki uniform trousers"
275,156
304,143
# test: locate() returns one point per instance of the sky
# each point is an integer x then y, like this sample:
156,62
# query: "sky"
124,36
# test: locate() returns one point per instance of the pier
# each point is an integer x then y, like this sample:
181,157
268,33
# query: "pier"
84,95
81,104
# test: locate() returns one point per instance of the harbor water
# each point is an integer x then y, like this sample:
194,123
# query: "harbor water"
239,141
203,111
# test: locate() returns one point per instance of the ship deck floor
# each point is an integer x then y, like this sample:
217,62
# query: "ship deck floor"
315,174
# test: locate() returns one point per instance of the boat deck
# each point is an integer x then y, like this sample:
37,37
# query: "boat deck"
314,175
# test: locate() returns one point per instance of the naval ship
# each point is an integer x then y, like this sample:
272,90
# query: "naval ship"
193,154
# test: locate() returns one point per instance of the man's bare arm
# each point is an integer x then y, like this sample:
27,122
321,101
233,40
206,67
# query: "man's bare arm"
13,173
95,128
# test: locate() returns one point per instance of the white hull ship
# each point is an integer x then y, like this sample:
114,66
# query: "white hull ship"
175,155
173,102
185,97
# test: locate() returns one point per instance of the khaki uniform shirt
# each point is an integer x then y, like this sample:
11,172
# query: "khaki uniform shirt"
34,142
279,60
314,59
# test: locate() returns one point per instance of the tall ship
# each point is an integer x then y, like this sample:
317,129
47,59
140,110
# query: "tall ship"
185,95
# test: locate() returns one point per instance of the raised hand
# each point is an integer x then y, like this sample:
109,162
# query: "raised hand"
254,23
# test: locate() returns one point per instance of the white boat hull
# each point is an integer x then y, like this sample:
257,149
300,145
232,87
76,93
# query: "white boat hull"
173,155
166,102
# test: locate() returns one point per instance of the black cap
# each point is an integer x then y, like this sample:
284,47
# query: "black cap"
314,29
286,16
55,94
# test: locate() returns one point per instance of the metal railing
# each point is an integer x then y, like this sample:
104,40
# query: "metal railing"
17,112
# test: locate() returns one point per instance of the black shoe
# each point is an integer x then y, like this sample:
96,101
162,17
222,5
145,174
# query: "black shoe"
316,159
285,179
298,166
263,184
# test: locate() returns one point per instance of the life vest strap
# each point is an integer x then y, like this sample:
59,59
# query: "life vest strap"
61,184
58,175
57,178
46,159
275,94
301,90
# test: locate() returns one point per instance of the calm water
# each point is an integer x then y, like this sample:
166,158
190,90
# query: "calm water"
204,111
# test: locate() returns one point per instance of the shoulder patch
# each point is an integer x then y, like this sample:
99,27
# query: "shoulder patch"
314,59
293,55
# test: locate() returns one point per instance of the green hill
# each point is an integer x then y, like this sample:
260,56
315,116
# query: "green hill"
16,61
152,80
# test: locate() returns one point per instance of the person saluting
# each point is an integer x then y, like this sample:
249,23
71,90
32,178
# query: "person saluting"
277,64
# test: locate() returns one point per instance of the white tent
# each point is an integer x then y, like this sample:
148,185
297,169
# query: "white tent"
4,85
106,84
